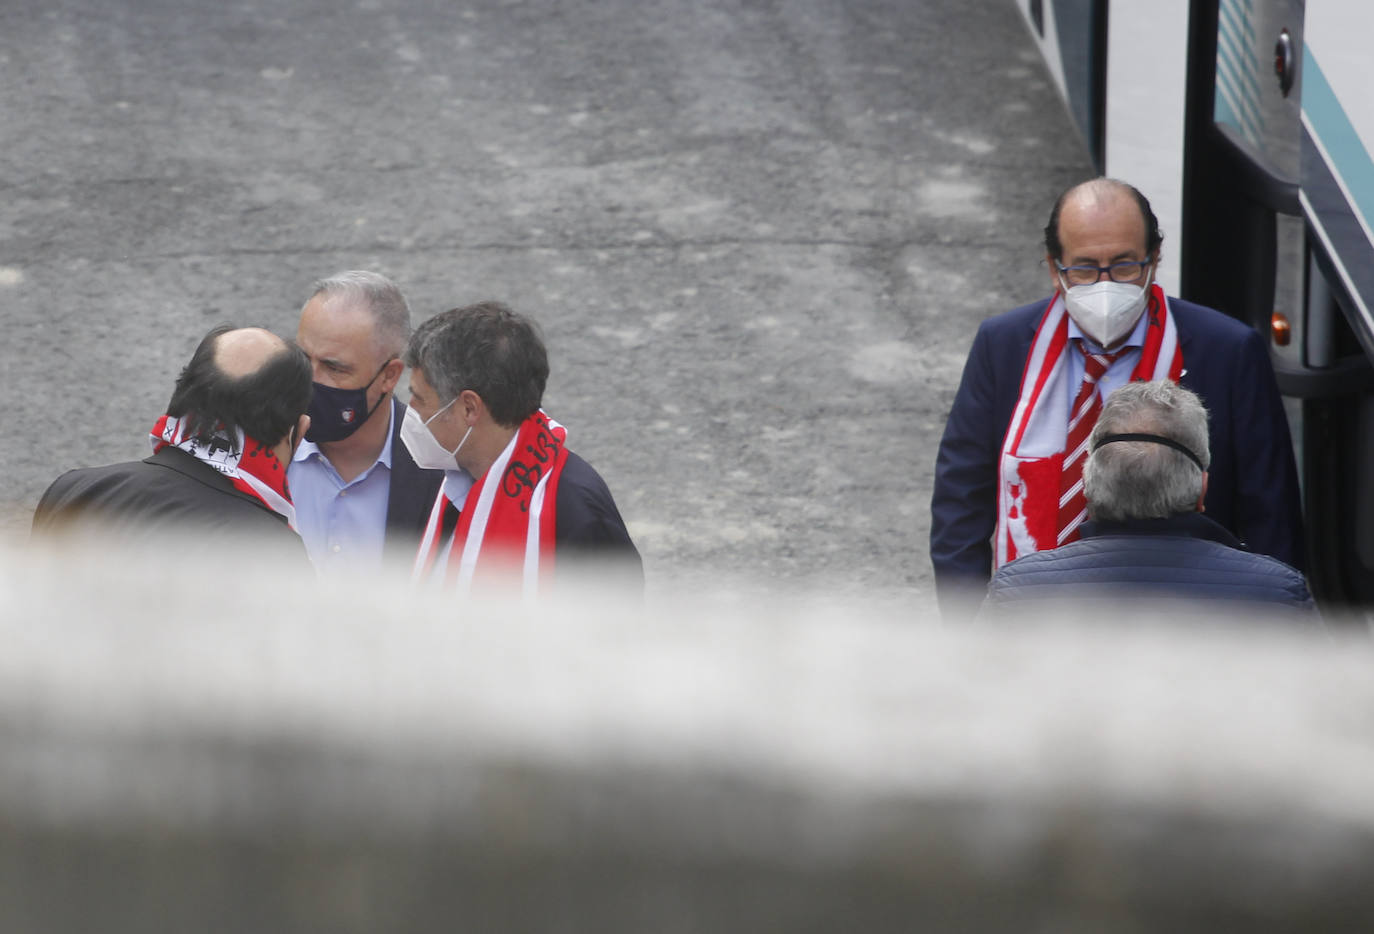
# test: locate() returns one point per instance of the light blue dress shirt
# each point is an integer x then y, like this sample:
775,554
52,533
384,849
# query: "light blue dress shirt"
343,524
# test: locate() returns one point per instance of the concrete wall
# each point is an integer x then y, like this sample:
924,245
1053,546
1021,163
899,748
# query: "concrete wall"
236,752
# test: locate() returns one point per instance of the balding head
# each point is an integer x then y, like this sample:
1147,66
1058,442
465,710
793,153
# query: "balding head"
244,378
1097,201
244,351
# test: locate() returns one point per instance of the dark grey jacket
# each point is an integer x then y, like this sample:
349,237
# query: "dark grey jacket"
169,496
1185,559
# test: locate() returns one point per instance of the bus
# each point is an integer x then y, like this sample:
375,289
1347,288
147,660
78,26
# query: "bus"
1249,124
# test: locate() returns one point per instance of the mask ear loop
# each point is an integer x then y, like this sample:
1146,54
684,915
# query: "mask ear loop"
1151,304
441,411
292,440
382,397
463,442
454,452
379,372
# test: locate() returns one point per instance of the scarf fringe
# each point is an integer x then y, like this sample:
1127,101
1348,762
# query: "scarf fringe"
247,462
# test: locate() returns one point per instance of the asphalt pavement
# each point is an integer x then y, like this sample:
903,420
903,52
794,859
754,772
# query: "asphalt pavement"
758,235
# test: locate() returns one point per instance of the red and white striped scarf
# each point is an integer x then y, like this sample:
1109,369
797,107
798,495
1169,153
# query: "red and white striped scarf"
1028,483
508,518
247,462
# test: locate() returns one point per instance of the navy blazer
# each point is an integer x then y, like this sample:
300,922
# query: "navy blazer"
411,494
1252,481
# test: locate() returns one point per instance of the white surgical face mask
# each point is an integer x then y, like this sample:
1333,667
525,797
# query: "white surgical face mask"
1105,311
424,448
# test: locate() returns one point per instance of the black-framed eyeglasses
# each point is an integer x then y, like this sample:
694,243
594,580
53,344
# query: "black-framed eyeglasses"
1118,272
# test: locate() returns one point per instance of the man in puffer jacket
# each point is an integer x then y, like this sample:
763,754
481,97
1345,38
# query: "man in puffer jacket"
1145,480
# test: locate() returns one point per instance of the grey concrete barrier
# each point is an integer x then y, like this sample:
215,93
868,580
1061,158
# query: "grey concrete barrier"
186,748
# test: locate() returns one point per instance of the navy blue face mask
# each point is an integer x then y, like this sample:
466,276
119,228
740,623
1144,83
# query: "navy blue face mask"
336,413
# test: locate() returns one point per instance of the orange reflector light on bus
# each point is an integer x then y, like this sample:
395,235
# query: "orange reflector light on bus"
1281,330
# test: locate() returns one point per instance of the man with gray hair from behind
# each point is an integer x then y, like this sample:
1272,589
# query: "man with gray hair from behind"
1146,537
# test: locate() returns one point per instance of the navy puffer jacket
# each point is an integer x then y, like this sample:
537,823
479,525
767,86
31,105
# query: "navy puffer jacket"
1181,559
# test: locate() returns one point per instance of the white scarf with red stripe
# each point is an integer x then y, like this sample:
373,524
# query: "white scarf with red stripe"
508,518
1029,471
247,462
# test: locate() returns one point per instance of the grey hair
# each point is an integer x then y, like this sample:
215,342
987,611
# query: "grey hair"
381,297
1142,479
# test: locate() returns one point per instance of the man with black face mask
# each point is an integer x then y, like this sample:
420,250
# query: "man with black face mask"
359,496
1008,476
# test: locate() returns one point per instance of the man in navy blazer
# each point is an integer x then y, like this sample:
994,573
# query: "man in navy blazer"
1104,231
359,496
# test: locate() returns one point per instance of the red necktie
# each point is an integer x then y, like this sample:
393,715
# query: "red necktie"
1087,405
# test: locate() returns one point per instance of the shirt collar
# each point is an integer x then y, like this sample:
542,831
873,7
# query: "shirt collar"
305,450
456,486
385,456
1135,339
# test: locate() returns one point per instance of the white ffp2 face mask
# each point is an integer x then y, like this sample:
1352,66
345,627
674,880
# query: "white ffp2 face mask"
424,448
1105,311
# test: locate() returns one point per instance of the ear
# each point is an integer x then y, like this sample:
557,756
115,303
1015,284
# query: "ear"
1052,265
391,374
285,449
473,409
1203,495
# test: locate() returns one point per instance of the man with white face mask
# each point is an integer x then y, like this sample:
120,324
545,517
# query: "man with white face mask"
1008,477
516,503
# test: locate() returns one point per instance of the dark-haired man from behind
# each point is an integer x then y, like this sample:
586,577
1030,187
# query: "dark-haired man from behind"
1147,545
515,502
1008,476
217,473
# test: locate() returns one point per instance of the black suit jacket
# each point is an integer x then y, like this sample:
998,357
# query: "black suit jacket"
169,496
411,495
